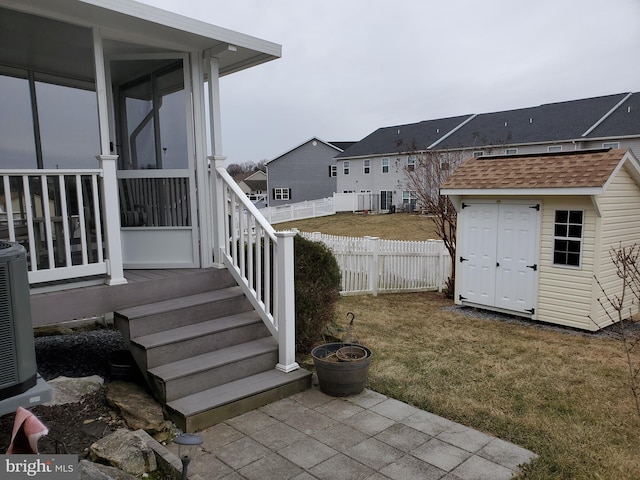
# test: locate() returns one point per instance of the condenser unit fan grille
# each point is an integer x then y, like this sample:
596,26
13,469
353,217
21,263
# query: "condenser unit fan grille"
9,370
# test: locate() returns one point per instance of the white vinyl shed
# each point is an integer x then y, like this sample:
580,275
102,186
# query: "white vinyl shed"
535,232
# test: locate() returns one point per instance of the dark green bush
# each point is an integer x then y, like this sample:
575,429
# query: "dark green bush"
317,282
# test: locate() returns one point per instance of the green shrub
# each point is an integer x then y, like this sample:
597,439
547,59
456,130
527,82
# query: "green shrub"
317,283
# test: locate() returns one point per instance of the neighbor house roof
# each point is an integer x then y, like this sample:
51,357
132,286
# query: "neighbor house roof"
607,116
582,169
334,145
403,138
551,122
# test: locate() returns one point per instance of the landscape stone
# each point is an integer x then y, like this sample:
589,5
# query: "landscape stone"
94,471
69,390
138,408
125,450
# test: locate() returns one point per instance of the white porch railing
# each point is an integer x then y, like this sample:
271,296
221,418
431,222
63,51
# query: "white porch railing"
299,211
260,260
371,265
57,215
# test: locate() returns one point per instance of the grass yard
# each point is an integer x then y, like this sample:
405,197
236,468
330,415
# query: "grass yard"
560,393
398,226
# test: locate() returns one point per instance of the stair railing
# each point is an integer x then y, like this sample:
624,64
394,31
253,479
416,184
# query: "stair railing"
260,259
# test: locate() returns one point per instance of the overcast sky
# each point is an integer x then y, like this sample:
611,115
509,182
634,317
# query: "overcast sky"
349,67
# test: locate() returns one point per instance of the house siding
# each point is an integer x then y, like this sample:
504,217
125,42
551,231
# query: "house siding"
564,293
620,207
303,170
375,181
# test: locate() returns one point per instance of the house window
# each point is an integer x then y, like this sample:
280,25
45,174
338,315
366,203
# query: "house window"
478,153
333,170
345,167
348,191
386,199
367,167
280,193
411,163
511,151
409,196
611,145
385,165
554,148
567,237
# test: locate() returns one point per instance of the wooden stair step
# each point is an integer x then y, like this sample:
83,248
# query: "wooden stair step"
203,409
197,330
177,304
212,360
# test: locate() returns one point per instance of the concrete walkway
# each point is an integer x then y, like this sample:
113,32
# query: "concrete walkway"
368,436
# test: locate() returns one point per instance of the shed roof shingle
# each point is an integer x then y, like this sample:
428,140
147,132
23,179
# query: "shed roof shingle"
578,169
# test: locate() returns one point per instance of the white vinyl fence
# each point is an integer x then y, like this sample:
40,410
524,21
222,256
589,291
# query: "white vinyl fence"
371,265
299,211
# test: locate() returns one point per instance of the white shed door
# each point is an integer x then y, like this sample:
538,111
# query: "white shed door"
498,263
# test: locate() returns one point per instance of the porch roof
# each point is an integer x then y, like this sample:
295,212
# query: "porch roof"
131,22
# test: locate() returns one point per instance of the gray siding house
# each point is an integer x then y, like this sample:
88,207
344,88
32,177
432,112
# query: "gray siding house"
306,172
378,163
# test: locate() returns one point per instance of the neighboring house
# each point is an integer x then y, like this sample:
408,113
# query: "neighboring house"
535,232
378,162
306,172
254,184
104,133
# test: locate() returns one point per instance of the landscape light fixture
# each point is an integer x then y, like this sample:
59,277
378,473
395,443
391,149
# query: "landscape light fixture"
187,446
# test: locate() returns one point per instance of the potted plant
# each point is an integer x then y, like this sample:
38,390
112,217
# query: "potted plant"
342,367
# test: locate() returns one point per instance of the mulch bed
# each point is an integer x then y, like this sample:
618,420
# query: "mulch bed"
73,427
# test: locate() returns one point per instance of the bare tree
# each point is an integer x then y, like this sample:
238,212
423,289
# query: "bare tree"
424,176
619,308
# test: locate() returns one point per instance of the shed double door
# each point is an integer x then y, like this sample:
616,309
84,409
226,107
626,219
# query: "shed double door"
498,259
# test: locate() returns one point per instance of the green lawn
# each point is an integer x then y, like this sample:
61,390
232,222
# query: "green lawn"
560,393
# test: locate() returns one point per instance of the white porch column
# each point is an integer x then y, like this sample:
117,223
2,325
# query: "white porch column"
286,303
110,201
111,215
204,192
217,159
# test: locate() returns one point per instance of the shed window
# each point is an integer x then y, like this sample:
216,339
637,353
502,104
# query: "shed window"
567,237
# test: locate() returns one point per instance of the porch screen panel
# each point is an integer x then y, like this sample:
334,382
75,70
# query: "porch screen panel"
68,122
156,121
17,143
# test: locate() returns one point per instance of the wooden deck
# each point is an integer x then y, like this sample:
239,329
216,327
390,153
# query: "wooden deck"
66,302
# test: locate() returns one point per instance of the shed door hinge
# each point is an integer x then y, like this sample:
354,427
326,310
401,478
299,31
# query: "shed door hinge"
461,298
533,267
462,259
531,311
465,205
537,207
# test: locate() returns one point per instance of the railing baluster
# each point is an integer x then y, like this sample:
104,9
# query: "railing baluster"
65,221
8,207
81,219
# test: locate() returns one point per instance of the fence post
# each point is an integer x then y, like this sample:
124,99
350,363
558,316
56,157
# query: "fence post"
286,303
374,265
